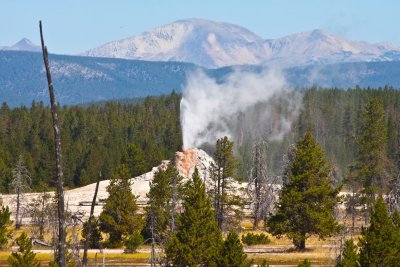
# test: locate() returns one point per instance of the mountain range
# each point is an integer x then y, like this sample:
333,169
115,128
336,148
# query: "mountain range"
215,44
159,61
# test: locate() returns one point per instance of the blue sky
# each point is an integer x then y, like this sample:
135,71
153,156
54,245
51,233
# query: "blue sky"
74,26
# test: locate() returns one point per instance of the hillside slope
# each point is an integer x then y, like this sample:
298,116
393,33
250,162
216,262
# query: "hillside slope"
80,80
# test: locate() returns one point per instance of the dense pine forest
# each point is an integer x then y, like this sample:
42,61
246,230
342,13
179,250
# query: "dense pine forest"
94,138
99,137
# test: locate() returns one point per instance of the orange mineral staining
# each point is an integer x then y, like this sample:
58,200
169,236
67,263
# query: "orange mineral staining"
186,161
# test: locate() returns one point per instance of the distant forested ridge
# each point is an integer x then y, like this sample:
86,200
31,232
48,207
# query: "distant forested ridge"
99,137
80,80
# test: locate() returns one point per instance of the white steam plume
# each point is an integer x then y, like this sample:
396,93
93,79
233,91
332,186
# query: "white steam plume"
211,110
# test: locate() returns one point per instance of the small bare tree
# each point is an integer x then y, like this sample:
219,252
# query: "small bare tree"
21,182
74,245
40,211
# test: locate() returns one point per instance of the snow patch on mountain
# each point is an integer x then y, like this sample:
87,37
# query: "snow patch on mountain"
63,69
316,47
216,44
203,42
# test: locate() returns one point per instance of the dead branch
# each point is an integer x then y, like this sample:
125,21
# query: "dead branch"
89,232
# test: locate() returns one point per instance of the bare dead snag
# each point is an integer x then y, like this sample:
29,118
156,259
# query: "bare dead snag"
57,143
89,230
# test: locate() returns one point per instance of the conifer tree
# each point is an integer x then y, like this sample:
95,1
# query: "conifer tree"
197,241
25,257
232,254
5,223
227,205
134,159
379,242
161,209
372,163
307,201
120,217
349,257
95,235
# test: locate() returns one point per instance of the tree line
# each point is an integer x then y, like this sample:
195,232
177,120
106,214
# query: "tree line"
98,137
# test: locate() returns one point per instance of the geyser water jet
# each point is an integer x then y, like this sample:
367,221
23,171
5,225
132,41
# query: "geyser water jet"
209,110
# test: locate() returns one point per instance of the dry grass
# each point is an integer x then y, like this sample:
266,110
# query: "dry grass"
315,256
279,252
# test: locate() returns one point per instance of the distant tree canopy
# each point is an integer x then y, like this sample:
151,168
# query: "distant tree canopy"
99,137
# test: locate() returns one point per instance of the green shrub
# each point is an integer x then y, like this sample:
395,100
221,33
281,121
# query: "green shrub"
305,263
255,239
132,242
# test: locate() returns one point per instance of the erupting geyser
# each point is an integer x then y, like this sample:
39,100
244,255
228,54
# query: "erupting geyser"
210,110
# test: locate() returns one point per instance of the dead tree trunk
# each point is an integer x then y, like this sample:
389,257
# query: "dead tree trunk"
20,182
89,230
174,203
57,143
258,182
17,219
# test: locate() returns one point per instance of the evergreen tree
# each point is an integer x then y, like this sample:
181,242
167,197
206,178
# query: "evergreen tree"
132,242
227,206
95,236
135,161
307,202
372,163
161,209
5,223
197,241
120,216
380,241
25,257
349,257
232,254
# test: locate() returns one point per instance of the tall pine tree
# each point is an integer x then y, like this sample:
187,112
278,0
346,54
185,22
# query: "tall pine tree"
372,163
162,204
380,241
197,241
307,202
